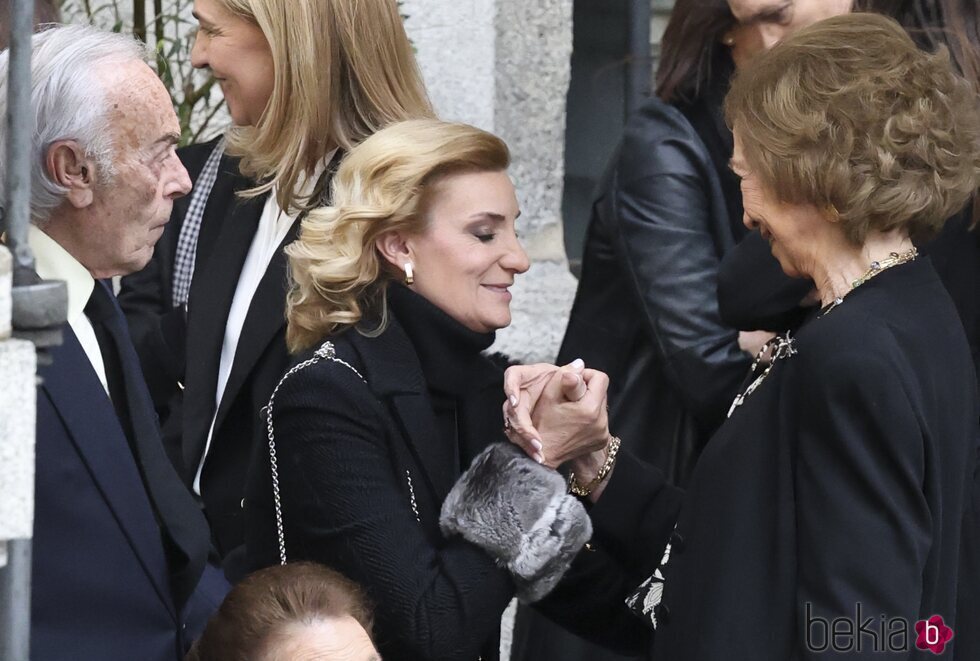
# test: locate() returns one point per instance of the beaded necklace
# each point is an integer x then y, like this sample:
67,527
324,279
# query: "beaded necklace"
877,266
781,346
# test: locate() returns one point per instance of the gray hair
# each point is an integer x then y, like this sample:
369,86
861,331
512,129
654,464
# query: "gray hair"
69,102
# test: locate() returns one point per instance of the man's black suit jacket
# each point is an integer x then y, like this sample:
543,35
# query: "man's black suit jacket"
102,585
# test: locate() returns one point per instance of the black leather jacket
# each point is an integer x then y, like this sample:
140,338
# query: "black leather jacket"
646,310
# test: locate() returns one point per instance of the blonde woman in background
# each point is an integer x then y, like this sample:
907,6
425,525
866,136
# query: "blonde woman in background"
304,81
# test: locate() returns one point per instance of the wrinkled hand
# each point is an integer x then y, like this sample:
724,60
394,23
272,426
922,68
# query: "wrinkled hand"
751,342
523,386
556,414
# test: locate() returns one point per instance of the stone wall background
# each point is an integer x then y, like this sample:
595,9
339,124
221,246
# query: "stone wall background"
504,65
17,411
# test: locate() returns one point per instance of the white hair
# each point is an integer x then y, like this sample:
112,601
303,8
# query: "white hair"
68,99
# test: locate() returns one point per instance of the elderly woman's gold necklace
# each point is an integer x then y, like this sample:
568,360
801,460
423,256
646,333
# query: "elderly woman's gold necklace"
782,346
877,266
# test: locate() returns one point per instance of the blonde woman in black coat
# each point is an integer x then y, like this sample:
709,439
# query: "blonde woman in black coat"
397,290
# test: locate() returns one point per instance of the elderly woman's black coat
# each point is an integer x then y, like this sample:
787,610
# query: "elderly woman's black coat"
841,483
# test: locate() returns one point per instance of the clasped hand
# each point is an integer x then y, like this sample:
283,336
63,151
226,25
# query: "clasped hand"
557,414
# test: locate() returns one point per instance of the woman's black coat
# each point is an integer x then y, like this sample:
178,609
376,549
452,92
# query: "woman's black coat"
842,480
181,353
365,466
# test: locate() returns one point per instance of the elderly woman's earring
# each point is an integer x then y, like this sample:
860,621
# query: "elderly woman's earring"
833,213
409,273
728,40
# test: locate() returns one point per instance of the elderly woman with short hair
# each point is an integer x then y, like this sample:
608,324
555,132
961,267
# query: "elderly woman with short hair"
837,486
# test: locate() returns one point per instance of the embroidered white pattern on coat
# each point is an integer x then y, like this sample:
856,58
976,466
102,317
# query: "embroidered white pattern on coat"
649,594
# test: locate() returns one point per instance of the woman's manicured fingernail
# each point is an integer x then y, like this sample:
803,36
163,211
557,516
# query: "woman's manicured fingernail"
539,458
537,445
513,400
577,364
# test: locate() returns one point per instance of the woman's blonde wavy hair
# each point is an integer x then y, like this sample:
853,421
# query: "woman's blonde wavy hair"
337,275
343,70
849,115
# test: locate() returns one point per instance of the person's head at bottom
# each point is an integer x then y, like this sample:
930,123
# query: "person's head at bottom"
296,612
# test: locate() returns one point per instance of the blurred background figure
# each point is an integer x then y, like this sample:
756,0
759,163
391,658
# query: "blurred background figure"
666,212
285,613
45,11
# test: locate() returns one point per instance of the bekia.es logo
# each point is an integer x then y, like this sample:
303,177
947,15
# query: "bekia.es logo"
885,634
933,634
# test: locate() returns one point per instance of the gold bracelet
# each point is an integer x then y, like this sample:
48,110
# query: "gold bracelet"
581,491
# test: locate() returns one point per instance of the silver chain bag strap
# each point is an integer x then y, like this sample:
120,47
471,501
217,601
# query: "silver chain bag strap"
325,352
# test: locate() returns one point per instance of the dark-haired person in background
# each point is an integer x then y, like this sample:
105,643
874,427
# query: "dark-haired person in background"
645,309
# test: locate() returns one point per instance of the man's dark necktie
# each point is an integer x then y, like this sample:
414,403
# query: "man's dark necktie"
183,526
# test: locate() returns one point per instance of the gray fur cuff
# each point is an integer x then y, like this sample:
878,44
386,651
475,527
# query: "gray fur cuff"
519,512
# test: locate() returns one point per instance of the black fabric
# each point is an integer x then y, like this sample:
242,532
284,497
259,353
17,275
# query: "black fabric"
465,386
968,595
364,467
707,118
157,328
101,583
843,478
753,291
227,229
646,309
183,528
357,459
101,314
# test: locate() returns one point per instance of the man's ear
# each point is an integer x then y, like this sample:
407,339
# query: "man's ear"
394,248
68,166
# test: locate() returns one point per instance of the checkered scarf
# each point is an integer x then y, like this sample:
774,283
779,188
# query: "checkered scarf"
187,241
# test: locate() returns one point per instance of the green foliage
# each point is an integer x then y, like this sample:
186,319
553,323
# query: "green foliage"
170,30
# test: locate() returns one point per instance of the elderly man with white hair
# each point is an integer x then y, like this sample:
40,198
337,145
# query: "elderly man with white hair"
120,547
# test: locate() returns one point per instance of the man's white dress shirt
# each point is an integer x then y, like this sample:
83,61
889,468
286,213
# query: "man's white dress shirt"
52,262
